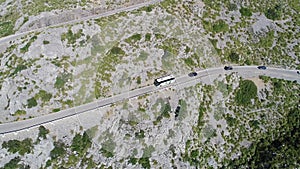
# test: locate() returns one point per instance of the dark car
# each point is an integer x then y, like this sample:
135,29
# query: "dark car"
193,74
228,68
262,67
177,111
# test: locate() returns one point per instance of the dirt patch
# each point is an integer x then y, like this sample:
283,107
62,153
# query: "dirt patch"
258,82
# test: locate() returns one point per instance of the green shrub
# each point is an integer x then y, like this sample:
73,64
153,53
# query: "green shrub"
189,62
26,47
145,162
230,120
140,134
62,80
147,36
18,69
133,160
138,80
247,91
116,51
232,7
6,28
43,132
133,38
245,12
45,42
43,95
56,110
274,13
81,143
23,147
19,113
165,110
31,102
71,37
234,57
13,163
58,150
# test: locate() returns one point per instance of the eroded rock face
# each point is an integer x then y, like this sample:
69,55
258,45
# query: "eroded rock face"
53,18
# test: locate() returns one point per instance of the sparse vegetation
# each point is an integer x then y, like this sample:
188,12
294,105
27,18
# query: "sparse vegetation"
107,148
20,112
71,37
220,26
26,47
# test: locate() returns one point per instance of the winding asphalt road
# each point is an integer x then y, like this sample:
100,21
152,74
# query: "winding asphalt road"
108,13
204,76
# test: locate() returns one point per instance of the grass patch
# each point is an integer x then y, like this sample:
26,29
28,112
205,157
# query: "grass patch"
220,26
147,151
267,41
92,131
61,80
143,56
192,61
105,66
6,28
209,132
107,148
165,110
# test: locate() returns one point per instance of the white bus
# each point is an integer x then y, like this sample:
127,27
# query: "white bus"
164,80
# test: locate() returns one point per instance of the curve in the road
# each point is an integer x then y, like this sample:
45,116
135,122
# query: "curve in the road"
182,81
